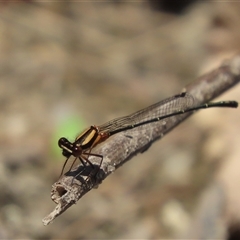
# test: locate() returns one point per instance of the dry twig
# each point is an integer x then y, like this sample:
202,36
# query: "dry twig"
120,148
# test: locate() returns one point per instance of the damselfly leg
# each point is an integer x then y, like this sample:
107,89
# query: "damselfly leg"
95,169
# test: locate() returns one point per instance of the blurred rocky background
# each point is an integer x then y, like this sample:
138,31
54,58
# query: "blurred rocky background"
67,65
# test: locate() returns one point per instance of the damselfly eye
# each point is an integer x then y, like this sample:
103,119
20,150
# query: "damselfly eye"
66,154
62,142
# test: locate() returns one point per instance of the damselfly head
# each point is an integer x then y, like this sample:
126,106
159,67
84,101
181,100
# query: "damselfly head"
66,146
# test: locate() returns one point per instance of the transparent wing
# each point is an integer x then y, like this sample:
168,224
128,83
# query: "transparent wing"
165,107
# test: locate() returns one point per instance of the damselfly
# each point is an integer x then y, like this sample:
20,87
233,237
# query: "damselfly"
82,146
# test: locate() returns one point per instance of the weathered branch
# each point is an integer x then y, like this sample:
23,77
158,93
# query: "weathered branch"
123,146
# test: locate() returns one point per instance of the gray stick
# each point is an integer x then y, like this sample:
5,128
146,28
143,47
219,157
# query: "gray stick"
120,148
